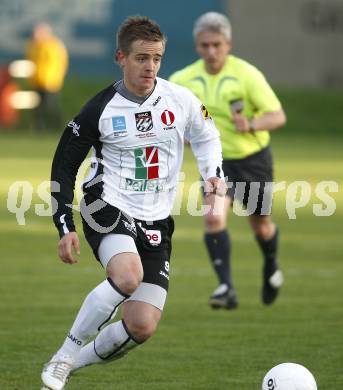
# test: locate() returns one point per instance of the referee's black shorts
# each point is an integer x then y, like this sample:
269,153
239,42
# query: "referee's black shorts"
248,176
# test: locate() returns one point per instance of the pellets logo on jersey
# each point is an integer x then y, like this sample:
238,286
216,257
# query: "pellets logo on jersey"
167,117
146,163
144,121
205,113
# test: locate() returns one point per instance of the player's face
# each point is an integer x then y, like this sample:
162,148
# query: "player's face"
141,65
213,48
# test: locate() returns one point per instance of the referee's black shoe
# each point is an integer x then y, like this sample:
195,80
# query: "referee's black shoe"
224,297
272,281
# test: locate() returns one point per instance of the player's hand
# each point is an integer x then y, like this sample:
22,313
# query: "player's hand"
241,122
67,244
216,186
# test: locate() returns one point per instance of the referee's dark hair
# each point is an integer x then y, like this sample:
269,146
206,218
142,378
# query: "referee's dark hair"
136,28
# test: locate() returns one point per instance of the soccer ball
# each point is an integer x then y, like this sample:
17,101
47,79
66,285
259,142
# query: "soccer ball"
289,376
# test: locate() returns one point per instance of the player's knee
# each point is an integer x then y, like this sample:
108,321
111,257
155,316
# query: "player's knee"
127,276
142,328
130,283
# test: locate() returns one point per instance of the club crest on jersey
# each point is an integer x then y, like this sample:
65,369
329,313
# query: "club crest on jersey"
144,121
204,112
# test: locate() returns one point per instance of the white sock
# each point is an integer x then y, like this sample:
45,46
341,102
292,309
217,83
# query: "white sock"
113,342
95,312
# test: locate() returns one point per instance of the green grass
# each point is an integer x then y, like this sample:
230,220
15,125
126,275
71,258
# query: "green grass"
195,347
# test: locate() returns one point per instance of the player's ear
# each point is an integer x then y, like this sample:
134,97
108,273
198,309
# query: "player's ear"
120,57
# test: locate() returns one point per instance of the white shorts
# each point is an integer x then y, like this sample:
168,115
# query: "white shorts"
150,293
113,244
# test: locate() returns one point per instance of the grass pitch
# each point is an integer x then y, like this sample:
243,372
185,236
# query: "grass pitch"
195,347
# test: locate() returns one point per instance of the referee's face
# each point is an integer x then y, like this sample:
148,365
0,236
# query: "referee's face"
213,48
141,65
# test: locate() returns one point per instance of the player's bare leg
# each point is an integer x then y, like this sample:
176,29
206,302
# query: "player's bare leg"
125,274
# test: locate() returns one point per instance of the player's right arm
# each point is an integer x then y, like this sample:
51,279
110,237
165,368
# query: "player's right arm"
78,137
67,244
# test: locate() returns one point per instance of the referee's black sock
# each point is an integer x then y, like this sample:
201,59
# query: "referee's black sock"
219,249
269,249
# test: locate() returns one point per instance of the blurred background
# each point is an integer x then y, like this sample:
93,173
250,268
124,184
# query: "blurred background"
298,44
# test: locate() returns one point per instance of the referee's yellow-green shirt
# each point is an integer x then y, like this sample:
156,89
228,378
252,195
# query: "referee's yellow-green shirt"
237,80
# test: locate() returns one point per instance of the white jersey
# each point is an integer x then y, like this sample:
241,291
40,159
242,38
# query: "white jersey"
137,150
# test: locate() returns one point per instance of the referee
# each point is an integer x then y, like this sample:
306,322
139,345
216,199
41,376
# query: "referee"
245,110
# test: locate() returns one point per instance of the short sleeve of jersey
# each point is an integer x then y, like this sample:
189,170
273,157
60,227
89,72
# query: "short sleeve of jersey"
259,92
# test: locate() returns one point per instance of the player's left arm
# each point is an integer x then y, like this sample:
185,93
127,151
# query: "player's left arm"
204,140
